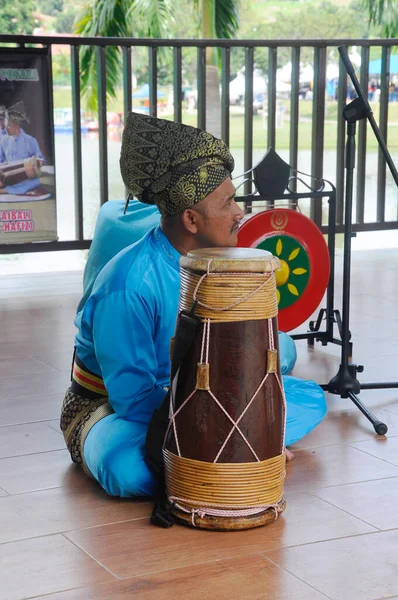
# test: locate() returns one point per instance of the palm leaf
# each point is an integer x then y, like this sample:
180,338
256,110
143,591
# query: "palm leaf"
155,17
383,13
103,18
227,18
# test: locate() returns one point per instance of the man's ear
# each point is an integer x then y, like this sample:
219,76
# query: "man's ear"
189,220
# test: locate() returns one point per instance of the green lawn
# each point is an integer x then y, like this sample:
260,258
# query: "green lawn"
62,99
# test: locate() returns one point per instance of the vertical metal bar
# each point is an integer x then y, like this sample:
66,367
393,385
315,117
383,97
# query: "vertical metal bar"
332,252
201,100
272,60
177,84
294,111
225,102
77,142
340,145
318,126
102,124
153,81
383,120
248,150
127,84
362,131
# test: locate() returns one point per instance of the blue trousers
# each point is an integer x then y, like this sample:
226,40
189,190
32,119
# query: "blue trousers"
114,450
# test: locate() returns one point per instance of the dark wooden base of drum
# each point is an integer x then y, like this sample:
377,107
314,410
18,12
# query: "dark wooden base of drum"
229,523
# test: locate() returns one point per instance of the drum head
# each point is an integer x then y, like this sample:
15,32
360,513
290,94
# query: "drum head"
230,260
305,264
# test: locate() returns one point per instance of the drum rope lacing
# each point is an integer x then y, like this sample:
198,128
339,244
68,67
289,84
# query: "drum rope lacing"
224,308
231,510
255,301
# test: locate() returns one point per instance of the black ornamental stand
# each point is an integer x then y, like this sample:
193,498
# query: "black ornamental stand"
345,382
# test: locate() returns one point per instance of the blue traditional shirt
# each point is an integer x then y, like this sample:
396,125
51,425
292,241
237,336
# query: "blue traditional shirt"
114,231
18,147
127,323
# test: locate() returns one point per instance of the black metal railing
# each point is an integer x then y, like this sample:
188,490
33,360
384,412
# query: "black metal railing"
320,57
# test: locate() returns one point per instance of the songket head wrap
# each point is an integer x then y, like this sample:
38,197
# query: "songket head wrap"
171,164
2,111
16,114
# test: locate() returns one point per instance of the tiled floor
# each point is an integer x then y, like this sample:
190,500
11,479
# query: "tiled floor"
62,538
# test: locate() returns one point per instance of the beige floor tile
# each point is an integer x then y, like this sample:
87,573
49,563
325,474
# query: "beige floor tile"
63,303
36,346
35,471
30,438
345,427
56,510
250,577
384,448
10,367
372,501
394,408
45,565
15,411
315,365
358,568
334,465
54,424
136,548
3,492
60,360
27,385
377,400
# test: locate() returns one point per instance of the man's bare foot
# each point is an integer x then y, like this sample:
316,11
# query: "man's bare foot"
289,455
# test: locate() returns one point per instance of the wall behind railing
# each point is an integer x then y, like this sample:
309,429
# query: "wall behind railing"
376,206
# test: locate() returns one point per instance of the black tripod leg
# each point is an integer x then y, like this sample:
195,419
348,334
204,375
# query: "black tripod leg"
379,427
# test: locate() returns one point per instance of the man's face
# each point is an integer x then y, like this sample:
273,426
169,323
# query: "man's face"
218,217
12,128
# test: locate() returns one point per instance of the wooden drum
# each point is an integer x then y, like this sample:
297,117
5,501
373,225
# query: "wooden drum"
224,450
20,170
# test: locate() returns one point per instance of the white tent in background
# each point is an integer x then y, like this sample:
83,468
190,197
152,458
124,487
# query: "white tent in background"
355,57
237,87
332,72
306,74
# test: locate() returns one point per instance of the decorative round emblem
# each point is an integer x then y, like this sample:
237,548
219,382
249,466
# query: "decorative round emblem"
278,220
305,264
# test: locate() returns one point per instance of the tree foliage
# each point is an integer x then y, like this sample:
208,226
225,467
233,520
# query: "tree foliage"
101,18
50,7
65,20
17,16
384,13
309,20
142,18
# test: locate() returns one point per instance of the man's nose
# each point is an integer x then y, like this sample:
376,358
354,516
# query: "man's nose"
239,214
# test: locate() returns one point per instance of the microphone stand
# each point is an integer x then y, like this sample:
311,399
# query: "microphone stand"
345,382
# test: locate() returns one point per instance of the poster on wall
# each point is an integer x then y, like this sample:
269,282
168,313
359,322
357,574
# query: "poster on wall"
27,165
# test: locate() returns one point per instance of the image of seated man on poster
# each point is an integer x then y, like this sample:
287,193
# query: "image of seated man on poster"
3,130
20,157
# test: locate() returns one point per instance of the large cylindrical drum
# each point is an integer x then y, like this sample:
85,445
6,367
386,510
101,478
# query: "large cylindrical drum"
20,170
224,450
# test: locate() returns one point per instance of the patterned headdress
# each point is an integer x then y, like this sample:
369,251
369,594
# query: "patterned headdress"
170,164
16,114
2,111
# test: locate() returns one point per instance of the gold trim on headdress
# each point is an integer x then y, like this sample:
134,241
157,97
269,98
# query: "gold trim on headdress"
171,164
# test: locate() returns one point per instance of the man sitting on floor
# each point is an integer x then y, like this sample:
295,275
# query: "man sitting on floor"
115,229
122,364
